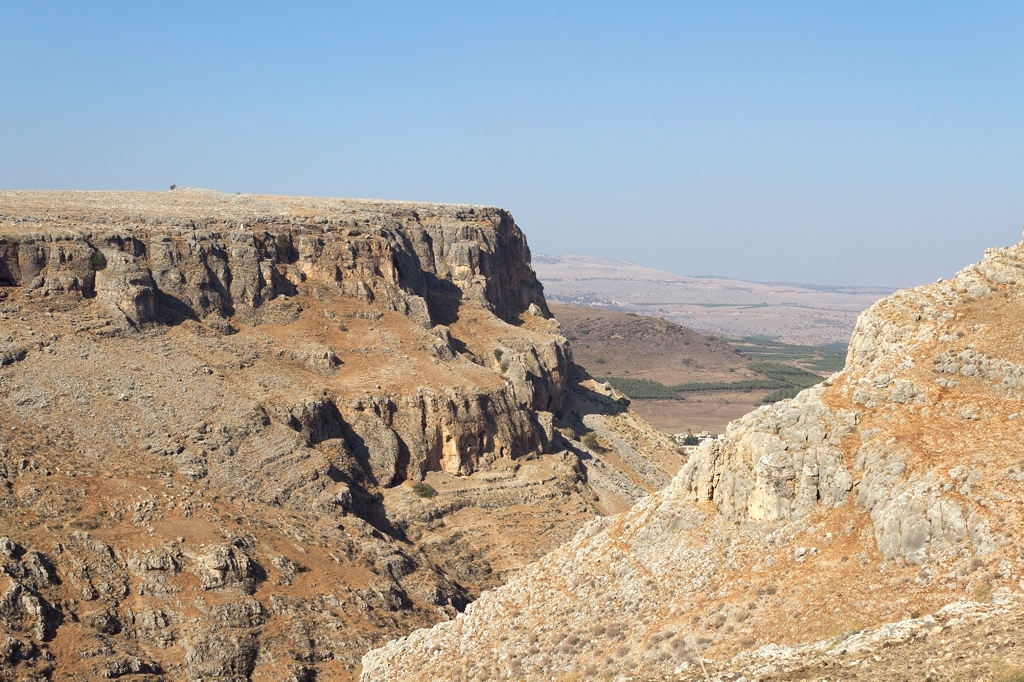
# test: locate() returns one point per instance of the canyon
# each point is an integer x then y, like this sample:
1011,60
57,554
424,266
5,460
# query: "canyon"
252,437
867,529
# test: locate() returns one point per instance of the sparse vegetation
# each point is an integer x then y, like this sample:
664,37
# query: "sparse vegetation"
285,249
796,379
829,357
983,593
600,360
98,260
849,631
1003,672
498,353
591,440
744,385
423,489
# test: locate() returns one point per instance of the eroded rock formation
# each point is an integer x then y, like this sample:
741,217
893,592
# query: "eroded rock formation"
253,437
889,490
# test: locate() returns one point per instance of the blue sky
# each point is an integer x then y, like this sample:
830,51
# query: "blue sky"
835,143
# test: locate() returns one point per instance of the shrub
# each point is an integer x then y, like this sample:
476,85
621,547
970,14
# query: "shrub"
590,440
983,593
423,489
498,353
691,440
285,249
600,360
98,260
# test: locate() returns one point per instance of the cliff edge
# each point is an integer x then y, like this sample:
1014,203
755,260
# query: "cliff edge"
890,490
252,437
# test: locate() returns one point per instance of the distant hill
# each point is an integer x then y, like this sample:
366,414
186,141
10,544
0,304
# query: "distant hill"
793,313
610,343
645,357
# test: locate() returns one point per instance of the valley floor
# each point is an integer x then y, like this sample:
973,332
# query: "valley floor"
710,411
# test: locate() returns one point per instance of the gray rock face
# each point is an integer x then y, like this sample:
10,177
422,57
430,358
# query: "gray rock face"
22,607
225,567
778,462
416,259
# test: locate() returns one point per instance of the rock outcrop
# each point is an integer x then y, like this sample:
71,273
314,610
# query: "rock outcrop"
230,261
889,490
254,437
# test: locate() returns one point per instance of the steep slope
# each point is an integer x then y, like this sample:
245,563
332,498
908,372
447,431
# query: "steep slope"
216,413
889,490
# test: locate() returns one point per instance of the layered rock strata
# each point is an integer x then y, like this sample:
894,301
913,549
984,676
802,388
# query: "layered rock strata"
217,413
889,490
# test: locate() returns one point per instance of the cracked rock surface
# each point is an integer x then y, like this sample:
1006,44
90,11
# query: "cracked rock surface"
895,488
251,438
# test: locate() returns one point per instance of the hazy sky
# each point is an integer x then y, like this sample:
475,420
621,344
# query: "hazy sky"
822,142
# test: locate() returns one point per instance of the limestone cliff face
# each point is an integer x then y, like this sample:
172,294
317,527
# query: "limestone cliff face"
251,438
225,267
890,489
249,251
908,357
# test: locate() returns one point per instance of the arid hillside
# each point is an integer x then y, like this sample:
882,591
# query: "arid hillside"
251,437
616,344
888,498
610,343
682,381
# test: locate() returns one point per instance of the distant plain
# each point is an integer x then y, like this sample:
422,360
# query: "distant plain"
610,311
791,313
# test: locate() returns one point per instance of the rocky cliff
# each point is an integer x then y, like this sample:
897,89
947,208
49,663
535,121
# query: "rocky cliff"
891,489
253,437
